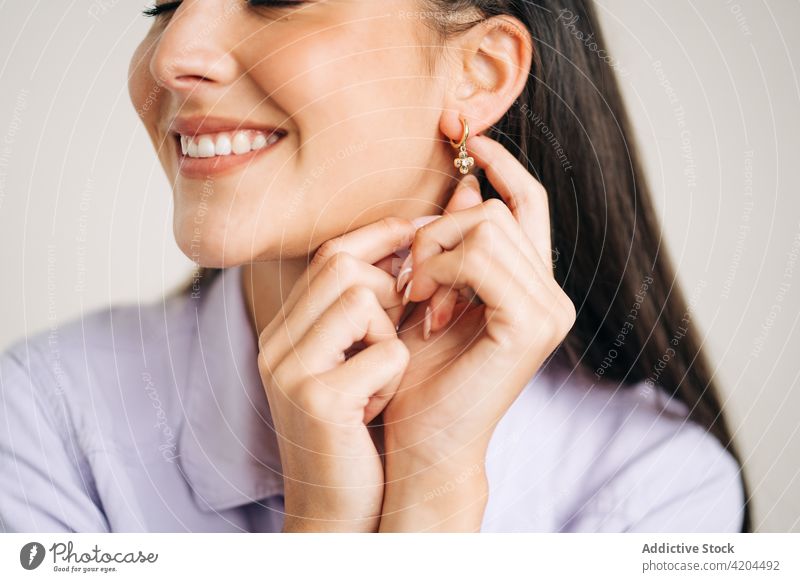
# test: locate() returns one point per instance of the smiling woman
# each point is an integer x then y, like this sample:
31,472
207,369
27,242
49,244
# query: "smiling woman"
379,342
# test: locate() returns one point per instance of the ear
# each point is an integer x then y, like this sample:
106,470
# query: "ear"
489,66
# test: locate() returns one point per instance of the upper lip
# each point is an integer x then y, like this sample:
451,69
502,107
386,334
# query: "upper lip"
199,125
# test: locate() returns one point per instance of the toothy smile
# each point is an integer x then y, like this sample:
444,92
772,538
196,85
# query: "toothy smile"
226,143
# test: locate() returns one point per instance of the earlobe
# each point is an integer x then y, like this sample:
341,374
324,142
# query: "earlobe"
450,124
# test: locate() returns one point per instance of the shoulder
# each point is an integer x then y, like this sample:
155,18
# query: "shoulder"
82,403
120,329
617,457
84,369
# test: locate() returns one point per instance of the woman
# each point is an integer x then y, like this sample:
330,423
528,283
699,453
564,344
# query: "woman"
529,364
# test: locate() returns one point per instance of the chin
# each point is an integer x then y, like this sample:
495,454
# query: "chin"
232,241
205,242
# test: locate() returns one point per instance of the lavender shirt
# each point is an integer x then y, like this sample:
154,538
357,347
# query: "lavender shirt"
153,418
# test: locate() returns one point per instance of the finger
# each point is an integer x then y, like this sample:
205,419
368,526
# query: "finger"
370,243
524,195
466,195
488,262
402,270
398,260
374,373
451,230
383,243
442,305
340,274
357,316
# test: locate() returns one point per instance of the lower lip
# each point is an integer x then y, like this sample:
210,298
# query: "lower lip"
201,168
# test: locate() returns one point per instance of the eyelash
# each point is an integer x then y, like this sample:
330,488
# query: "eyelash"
159,9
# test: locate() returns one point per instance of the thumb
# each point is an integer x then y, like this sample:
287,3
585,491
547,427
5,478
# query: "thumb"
466,195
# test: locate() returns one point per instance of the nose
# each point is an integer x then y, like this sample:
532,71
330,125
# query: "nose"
193,53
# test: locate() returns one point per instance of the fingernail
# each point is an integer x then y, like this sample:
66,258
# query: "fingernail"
407,293
406,261
402,278
426,324
404,273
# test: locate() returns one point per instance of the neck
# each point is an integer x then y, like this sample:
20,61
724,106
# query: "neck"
266,286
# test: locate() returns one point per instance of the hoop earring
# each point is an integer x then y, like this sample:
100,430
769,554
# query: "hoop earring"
463,162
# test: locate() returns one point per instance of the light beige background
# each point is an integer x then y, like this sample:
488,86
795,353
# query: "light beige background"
85,212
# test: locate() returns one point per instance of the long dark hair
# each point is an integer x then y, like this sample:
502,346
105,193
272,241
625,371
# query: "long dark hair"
570,129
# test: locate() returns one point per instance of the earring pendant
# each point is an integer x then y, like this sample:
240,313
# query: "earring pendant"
464,161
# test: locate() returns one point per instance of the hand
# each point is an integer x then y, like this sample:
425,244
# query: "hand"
478,358
320,400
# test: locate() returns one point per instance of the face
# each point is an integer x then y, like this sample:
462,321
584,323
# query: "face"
282,125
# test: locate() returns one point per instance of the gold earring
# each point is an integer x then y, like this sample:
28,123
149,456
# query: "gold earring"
463,162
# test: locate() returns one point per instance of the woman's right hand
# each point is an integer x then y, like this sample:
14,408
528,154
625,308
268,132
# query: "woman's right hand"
321,400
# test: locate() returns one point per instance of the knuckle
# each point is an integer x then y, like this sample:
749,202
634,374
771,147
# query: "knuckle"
342,266
496,208
264,367
570,311
264,342
358,297
538,189
556,326
548,327
397,226
485,232
274,377
325,252
397,352
423,237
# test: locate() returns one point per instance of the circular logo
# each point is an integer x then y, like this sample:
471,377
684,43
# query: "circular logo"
31,555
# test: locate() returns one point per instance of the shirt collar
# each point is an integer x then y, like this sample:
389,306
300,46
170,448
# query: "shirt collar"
227,447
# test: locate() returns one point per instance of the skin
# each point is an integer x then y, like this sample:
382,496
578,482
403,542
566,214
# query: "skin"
349,80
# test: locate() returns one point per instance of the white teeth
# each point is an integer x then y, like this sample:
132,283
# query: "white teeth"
259,141
241,144
221,144
205,147
223,147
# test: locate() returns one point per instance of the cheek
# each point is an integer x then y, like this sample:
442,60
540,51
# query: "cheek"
335,83
356,110
143,91
363,120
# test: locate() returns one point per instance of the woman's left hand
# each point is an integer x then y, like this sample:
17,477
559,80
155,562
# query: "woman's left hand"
469,361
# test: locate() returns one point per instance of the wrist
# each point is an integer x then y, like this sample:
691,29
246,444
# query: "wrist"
447,495
307,522
294,524
330,508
